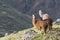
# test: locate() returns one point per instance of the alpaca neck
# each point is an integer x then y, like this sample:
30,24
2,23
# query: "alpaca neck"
34,21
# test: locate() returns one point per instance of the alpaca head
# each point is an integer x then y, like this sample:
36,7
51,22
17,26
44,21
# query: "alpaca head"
45,16
33,16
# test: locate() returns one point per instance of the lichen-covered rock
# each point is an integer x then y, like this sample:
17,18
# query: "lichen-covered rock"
28,35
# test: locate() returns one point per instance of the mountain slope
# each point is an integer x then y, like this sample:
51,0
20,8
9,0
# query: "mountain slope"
53,35
52,7
12,20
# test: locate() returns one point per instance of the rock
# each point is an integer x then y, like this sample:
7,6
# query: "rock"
28,35
6,34
57,21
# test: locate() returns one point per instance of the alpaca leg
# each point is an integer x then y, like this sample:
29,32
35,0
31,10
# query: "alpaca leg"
43,30
50,27
37,28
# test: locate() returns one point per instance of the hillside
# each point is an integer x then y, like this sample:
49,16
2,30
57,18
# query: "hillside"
52,7
15,18
53,35
12,20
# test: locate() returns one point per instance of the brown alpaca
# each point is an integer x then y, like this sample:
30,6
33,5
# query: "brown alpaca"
49,22
46,17
40,25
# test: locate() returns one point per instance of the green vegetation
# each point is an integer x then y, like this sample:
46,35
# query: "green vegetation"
53,35
16,36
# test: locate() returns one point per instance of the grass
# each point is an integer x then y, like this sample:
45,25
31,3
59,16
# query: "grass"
53,35
16,36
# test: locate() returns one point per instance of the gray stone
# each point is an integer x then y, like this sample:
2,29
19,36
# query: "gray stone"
28,35
57,21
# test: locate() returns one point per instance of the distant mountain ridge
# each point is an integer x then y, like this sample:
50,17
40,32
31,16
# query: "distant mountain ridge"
52,7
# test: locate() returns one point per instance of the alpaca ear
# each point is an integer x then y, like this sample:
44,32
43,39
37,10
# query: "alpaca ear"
33,16
40,13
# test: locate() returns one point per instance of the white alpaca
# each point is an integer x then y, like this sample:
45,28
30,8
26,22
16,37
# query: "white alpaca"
43,16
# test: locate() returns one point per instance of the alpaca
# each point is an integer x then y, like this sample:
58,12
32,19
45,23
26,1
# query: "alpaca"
49,22
46,17
39,25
